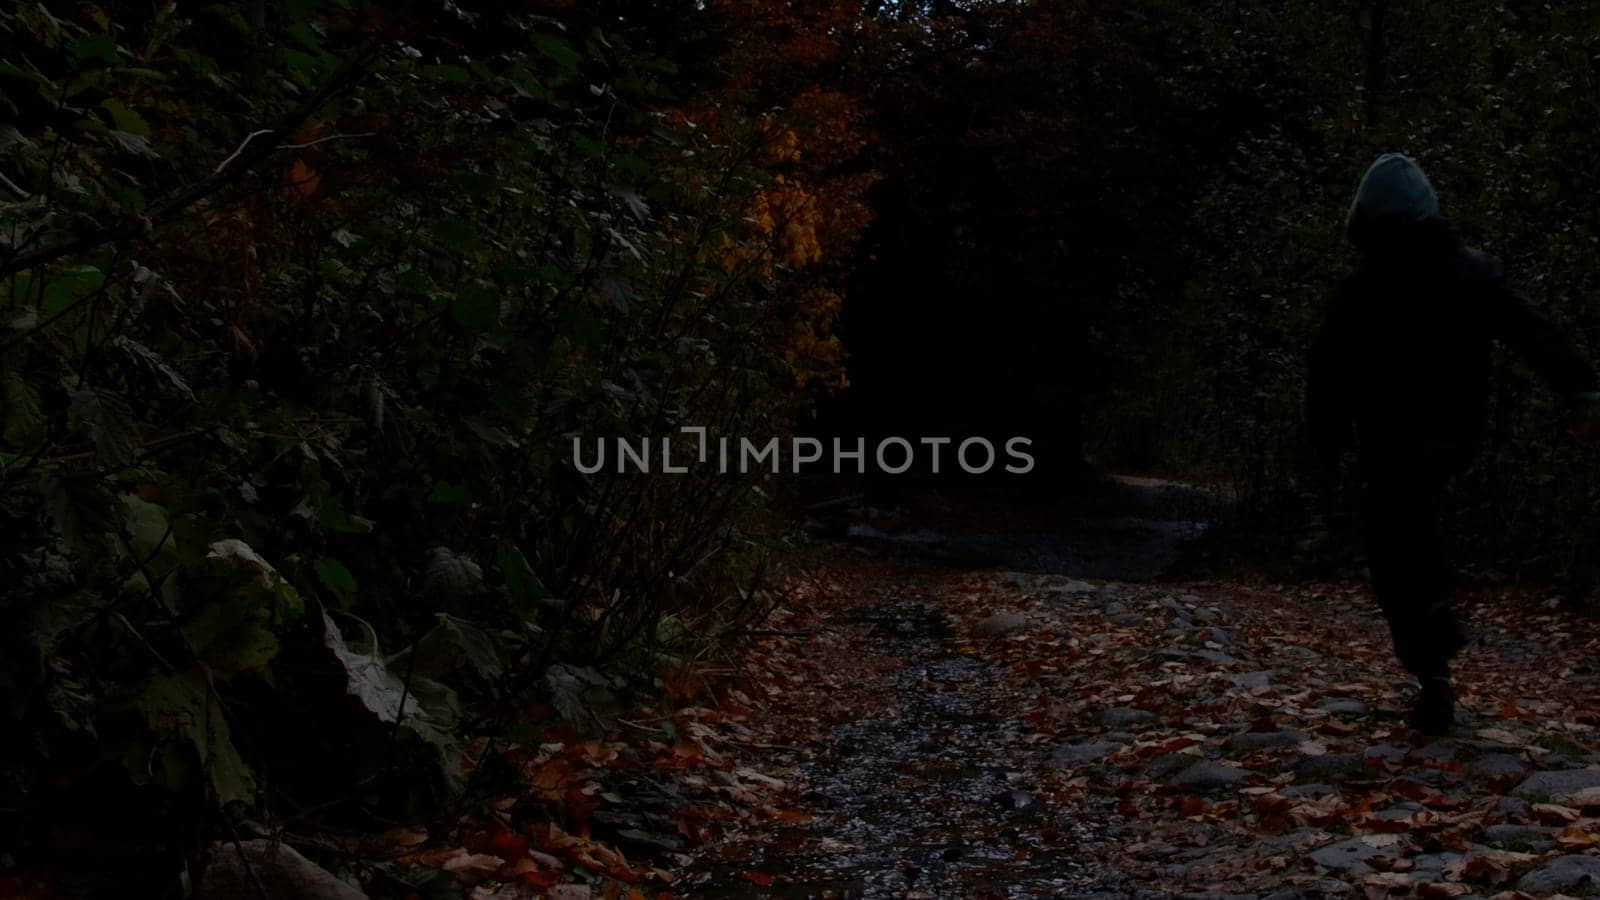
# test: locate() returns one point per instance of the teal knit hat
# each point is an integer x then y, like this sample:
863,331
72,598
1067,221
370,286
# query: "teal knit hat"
1394,190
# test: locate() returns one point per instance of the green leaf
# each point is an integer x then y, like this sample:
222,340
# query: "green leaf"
147,526
455,234
307,38
424,709
632,165
448,494
109,423
331,514
233,634
451,646
68,287
447,74
451,575
367,679
125,119
582,696
180,705
300,63
153,360
558,50
23,423
80,508
335,577
299,11
32,75
136,144
14,141
95,48
477,310
521,581
284,602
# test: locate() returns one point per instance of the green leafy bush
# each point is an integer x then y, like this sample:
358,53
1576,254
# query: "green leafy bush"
301,319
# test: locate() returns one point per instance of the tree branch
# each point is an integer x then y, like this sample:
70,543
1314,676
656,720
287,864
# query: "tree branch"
248,154
14,190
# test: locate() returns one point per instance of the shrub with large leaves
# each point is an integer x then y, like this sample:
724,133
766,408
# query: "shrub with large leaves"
302,307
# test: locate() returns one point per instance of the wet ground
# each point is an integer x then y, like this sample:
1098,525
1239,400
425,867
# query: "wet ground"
1129,529
968,703
935,793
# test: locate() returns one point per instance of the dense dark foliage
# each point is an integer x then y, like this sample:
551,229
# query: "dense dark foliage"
306,305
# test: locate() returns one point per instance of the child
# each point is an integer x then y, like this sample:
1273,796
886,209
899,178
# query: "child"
1403,362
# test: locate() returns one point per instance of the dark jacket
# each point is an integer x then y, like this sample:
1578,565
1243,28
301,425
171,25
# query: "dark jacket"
1402,362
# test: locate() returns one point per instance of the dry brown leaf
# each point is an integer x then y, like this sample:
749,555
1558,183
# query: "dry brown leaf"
1555,813
1443,890
1576,837
1385,884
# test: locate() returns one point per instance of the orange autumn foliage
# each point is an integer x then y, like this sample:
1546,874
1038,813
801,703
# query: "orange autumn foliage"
798,228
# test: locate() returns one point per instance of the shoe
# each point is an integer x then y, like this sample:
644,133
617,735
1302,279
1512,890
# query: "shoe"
1435,710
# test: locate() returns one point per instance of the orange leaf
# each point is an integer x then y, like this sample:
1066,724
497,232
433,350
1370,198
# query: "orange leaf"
303,180
509,844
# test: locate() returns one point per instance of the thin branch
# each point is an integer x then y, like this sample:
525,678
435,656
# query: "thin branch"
239,149
248,155
13,189
331,137
141,638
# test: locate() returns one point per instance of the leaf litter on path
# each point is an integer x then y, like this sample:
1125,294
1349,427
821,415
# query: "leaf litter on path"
1159,739
901,730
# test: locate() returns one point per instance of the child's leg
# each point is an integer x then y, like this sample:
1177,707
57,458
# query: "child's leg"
1410,578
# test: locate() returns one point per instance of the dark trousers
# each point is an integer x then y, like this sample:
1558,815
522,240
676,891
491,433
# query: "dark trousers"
1411,580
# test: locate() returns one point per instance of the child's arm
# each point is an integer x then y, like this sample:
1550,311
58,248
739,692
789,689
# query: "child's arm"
1540,342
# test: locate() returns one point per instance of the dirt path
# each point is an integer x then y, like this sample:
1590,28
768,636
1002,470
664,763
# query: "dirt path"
917,777
946,728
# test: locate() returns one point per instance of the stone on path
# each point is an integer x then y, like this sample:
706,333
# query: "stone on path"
1086,752
1332,766
1255,741
1309,790
1512,806
1498,765
1566,874
1403,812
1210,776
1249,680
1164,767
1125,717
1003,623
1430,867
1439,751
1518,837
275,871
1383,753
1349,857
1343,706
1071,589
1559,783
